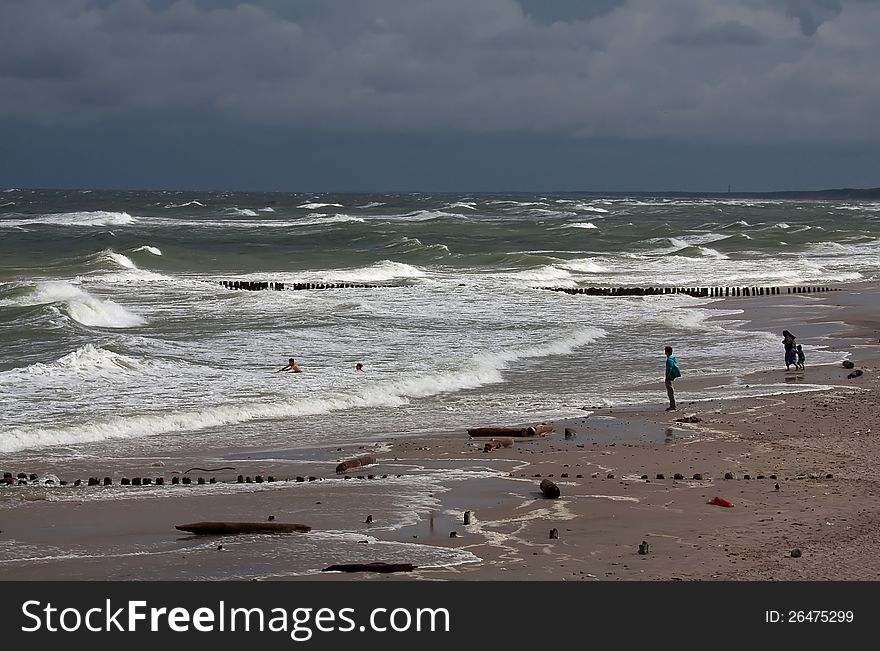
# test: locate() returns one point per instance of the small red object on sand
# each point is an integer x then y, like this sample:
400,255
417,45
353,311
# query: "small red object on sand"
720,501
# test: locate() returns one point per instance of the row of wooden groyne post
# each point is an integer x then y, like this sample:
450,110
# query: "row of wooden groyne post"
690,291
256,286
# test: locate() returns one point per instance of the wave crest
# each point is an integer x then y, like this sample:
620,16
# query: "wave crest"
149,249
482,369
80,305
84,218
385,270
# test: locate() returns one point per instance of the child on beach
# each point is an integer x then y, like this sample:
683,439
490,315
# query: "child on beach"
800,357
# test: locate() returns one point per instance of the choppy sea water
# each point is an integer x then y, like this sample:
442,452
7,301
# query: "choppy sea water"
115,332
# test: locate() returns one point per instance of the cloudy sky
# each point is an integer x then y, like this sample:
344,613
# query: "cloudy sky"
435,95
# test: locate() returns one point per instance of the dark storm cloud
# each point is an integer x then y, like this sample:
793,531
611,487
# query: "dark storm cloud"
719,35
737,69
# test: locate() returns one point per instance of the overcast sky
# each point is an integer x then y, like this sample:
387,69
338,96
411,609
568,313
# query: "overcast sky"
437,95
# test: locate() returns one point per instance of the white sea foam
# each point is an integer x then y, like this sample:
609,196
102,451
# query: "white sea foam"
372,204
266,209
415,244
118,259
185,205
79,305
481,369
587,225
385,270
583,206
547,272
86,218
783,225
86,361
149,249
338,218
425,215
242,212
467,205
316,205
709,252
584,265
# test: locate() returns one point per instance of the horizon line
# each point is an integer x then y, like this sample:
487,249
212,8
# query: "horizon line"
462,191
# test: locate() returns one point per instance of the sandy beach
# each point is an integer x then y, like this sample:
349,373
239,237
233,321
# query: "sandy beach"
801,465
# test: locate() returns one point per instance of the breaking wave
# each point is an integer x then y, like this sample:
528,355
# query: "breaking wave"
385,270
316,206
481,369
79,305
185,205
584,265
149,249
547,272
242,212
86,218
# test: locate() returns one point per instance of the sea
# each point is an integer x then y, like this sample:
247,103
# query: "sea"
117,334
121,343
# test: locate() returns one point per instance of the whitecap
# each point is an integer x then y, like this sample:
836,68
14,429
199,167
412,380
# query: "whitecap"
241,212
85,218
316,206
384,270
149,249
584,265
547,272
184,205
118,259
319,219
79,305
481,369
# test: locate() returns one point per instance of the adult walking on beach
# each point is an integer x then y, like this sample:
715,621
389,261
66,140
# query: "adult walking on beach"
788,343
672,372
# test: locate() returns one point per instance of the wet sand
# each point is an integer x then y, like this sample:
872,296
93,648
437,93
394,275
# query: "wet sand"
819,447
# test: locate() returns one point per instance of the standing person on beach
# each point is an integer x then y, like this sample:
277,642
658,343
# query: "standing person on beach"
672,372
790,349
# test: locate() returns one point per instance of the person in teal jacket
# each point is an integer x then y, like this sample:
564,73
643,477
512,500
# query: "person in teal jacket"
672,372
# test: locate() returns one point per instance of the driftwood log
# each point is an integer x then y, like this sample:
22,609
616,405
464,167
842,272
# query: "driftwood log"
383,568
550,489
494,432
228,528
497,445
357,462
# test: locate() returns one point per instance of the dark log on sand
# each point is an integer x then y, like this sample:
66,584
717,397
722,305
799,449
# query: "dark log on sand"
228,528
550,489
494,432
383,568
357,462
497,445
